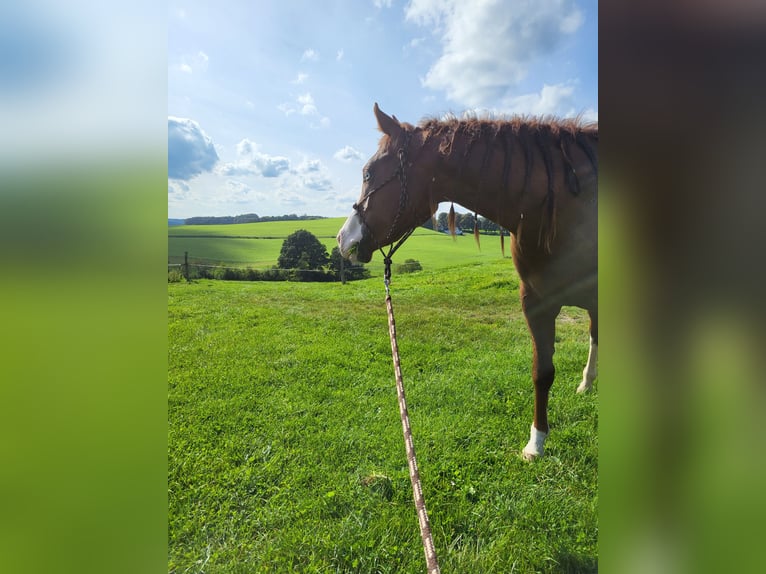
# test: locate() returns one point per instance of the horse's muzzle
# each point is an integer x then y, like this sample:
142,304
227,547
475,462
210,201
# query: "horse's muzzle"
354,240
364,249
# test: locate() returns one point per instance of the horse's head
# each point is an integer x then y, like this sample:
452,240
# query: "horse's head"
394,197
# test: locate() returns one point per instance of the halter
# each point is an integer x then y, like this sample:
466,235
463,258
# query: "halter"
401,173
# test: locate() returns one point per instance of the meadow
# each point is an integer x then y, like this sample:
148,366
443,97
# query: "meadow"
285,451
257,245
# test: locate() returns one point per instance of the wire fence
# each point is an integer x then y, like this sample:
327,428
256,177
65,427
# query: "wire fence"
191,270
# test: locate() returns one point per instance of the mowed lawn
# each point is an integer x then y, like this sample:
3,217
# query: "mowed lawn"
285,448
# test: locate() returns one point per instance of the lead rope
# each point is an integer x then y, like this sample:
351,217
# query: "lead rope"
417,491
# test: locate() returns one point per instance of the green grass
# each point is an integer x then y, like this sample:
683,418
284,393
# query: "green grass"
283,418
327,227
257,245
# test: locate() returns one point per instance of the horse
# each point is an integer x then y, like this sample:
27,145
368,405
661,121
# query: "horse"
535,177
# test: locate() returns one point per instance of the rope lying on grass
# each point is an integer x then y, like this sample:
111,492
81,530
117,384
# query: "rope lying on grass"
417,491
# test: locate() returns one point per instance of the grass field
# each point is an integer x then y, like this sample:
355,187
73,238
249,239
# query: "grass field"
285,447
257,245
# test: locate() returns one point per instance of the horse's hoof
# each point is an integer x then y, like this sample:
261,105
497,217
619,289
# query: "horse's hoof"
529,456
584,387
534,448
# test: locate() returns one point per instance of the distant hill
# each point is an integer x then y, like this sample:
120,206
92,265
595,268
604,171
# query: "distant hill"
172,222
246,218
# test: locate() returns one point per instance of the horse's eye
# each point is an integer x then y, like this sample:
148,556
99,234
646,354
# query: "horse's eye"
367,175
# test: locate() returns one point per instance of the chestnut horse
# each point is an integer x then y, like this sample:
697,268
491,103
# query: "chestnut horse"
538,178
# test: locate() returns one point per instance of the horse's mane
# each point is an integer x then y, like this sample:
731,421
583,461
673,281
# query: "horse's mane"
528,130
470,118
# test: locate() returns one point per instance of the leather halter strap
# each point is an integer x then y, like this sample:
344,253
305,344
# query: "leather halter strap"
401,173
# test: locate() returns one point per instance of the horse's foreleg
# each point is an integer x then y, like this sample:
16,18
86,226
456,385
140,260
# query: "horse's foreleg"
589,372
542,326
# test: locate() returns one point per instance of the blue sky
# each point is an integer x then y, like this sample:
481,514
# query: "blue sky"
270,102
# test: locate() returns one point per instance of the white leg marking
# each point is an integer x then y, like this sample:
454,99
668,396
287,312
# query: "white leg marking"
534,447
350,235
589,372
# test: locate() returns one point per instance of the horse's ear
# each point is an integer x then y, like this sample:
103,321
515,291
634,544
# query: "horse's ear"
388,125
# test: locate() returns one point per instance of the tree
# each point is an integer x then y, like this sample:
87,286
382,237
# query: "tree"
302,250
409,266
487,225
352,271
465,221
335,261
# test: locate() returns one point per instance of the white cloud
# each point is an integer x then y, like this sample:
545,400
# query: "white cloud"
556,99
309,165
234,192
304,105
194,62
310,55
323,123
382,3
300,78
339,55
590,115
179,193
312,174
178,190
572,22
307,104
317,183
250,161
347,153
190,150
290,198
487,47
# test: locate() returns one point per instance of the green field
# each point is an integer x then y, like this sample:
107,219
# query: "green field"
257,245
285,450
327,227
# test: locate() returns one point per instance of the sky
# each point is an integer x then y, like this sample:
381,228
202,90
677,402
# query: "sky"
270,102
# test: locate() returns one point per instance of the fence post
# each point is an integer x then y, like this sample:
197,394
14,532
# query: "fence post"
186,266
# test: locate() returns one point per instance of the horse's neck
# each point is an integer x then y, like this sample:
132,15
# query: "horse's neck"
487,179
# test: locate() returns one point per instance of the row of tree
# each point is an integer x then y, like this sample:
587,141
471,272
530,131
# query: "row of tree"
247,218
464,222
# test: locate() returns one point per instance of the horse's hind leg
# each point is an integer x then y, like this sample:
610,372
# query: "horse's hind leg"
589,372
542,326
